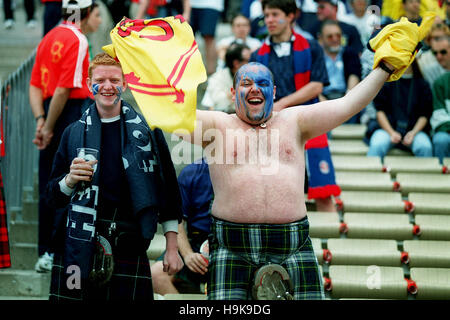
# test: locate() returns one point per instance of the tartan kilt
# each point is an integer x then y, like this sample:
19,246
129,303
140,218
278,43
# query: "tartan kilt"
131,281
238,250
5,257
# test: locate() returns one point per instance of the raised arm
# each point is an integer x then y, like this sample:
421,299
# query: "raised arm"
206,122
322,117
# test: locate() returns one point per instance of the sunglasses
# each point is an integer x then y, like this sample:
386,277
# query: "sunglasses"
443,52
334,35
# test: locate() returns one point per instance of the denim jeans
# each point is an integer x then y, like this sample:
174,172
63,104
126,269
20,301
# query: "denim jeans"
380,144
441,145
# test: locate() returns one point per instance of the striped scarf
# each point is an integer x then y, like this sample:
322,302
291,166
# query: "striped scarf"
302,58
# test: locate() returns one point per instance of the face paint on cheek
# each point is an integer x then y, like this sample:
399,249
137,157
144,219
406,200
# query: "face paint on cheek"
95,88
268,95
119,94
282,21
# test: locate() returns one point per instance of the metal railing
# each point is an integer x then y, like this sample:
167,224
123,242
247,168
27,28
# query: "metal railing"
20,163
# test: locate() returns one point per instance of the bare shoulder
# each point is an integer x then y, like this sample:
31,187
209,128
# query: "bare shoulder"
214,119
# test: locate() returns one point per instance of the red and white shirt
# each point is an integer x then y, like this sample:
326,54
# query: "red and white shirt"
62,60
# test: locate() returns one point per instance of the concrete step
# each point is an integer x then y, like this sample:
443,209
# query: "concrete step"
30,211
23,231
23,255
24,283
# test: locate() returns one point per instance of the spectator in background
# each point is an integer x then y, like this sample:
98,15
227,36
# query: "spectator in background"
362,19
8,11
118,9
92,25
440,119
205,15
240,27
428,64
218,92
143,9
300,77
196,194
343,64
412,10
57,93
52,14
327,10
403,108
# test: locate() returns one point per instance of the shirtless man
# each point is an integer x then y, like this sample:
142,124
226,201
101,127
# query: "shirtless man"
259,215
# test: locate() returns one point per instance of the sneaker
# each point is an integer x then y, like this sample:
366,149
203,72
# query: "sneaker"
9,23
44,263
31,24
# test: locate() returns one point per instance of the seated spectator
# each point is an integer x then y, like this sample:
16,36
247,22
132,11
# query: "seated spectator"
327,10
218,92
428,64
440,119
403,109
196,193
343,64
240,26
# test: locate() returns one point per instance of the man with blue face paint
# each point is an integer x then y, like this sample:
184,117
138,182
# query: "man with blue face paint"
255,102
259,243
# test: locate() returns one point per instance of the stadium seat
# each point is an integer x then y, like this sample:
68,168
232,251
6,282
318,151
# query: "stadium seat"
433,227
364,252
317,246
397,164
349,131
423,182
373,201
432,283
366,282
357,163
427,253
367,181
157,247
430,203
399,153
446,163
185,296
347,147
378,226
324,224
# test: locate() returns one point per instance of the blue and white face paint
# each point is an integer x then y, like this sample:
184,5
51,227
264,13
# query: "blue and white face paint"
95,88
119,94
254,93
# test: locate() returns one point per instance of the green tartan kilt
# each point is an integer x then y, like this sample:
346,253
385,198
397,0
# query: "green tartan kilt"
238,250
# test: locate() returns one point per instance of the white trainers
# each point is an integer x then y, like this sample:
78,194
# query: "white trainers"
31,24
9,23
44,263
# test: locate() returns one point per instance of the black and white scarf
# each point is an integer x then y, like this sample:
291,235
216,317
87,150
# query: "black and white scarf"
141,163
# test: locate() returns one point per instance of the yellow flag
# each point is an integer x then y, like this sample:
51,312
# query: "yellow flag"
397,43
163,67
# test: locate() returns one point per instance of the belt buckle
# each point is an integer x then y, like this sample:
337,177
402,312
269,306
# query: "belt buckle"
272,282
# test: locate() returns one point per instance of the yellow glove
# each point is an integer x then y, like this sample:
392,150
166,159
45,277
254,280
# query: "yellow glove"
397,43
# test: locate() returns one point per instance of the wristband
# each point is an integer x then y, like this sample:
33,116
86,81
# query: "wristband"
39,117
383,66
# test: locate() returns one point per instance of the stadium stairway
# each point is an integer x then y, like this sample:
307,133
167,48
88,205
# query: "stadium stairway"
21,281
